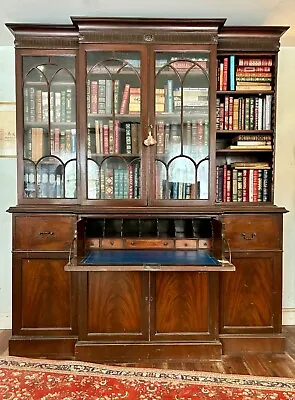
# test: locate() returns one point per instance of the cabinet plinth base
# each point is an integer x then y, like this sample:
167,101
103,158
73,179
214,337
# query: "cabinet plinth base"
43,347
237,344
120,352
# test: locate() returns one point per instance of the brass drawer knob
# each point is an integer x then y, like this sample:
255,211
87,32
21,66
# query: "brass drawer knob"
249,236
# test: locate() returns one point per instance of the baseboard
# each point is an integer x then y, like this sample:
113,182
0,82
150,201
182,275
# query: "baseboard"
5,321
288,316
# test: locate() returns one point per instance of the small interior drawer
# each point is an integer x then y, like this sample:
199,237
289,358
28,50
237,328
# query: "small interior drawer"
148,244
112,243
46,232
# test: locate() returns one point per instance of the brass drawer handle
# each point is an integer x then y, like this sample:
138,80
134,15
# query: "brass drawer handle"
46,233
250,236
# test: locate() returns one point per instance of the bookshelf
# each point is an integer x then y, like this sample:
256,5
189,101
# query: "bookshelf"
136,135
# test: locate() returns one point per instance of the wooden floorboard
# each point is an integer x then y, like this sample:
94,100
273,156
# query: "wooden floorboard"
282,365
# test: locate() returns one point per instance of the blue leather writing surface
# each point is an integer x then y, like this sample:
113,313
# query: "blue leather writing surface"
149,257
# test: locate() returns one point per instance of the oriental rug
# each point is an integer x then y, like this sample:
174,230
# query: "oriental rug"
23,379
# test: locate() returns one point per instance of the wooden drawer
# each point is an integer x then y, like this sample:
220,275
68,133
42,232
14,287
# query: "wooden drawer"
148,244
46,232
254,232
185,244
112,243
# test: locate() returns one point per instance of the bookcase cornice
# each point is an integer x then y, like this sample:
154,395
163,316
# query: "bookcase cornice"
176,24
144,30
44,36
250,38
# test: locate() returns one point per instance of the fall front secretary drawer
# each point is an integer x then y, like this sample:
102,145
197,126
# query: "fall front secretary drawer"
254,232
45,232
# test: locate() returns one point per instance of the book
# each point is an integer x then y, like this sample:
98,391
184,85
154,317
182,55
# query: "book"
248,165
252,143
124,101
256,137
248,147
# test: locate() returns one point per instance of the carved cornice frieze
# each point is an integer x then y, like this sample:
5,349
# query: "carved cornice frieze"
248,44
46,42
99,36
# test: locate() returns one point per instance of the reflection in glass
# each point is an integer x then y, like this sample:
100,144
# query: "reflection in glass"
182,125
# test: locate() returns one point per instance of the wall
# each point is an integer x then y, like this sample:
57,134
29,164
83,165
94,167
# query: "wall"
284,177
8,192
285,173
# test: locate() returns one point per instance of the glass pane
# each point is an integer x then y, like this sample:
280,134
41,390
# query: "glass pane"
115,178
113,121
49,93
182,125
50,178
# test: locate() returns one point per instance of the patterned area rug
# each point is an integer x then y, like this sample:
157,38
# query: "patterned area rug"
23,379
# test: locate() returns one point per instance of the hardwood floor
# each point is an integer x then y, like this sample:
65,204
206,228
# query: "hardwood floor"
282,365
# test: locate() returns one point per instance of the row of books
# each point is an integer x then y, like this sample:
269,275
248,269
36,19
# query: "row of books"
50,183
195,133
244,113
252,142
114,137
240,73
100,96
241,182
60,104
114,183
60,142
182,65
176,190
176,63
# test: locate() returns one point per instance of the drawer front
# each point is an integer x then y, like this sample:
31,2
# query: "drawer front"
185,244
148,244
254,232
45,232
112,243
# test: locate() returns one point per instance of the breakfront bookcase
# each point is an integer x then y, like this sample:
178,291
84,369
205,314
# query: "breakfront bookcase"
145,226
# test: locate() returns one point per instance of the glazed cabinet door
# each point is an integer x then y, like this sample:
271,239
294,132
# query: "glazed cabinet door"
113,306
251,296
115,81
47,126
181,160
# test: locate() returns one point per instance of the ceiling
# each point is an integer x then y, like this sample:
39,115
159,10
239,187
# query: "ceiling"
237,12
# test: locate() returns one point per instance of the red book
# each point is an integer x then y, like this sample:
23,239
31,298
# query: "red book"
245,185
124,102
106,139
255,185
116,137
224,182
228,185
93,97
225,73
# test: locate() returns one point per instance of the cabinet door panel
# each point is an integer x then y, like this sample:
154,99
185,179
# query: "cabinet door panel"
44,304
49,128
116,305
181,164
181,306
115,119
250,297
